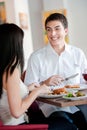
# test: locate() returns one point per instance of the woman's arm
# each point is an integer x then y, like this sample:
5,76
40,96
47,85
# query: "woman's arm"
18,105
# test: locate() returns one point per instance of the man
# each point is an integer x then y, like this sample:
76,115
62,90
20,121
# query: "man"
51,64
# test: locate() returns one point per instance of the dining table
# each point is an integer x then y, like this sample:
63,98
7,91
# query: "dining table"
61,102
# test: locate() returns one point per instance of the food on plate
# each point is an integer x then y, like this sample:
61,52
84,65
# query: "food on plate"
72,86
60,90
77,94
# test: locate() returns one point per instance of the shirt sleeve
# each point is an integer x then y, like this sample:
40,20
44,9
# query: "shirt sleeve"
32,71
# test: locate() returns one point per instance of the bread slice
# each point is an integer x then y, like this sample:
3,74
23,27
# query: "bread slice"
72,86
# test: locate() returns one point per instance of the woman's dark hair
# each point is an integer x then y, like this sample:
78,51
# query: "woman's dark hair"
57,16
11,50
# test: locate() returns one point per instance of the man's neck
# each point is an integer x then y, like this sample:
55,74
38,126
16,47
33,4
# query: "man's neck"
59,49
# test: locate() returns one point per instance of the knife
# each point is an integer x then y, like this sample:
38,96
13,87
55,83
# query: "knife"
70,77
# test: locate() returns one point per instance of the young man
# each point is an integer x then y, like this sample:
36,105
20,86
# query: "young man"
50,65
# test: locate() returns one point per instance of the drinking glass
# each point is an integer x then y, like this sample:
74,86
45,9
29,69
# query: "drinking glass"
85,75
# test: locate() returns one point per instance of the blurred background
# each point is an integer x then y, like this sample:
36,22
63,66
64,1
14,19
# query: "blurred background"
28,14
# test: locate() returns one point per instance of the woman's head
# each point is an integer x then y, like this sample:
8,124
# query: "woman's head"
11,49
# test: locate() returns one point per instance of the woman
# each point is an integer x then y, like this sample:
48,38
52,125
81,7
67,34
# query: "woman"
15,98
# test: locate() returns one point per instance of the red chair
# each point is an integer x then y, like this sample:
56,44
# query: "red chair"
24,127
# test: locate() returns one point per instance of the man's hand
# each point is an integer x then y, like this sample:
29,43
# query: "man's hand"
53,80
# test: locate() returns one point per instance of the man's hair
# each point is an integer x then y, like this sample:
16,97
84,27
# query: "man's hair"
57,16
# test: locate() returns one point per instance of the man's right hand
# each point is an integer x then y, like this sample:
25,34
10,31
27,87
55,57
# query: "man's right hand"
53,80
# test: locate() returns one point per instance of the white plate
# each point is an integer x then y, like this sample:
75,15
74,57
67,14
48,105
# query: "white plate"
75,98
82,87
51,95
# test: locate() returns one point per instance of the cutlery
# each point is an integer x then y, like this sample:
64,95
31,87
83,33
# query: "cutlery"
61,84
70,77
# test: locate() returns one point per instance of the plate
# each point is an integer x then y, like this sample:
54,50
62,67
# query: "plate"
51,95
75,98
82,87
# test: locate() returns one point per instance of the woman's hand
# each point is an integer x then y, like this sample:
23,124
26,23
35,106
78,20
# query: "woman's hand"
43,89
33,86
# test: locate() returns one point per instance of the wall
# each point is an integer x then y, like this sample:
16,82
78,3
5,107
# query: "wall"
76,14
33,40
78,23
36,10
54,4
13,8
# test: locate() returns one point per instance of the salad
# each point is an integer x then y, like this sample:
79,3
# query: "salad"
76,94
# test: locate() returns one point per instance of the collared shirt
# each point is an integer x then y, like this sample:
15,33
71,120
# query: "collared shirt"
46,62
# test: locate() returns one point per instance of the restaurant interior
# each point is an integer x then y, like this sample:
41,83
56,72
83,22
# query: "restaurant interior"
29,15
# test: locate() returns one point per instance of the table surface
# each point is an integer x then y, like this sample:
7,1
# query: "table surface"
59,101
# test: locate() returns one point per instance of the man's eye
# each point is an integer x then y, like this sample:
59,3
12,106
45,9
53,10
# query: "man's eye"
48,29
57,28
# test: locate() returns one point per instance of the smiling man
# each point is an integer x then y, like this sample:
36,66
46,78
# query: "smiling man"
50,65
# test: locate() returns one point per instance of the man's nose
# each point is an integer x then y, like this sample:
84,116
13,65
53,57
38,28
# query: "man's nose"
53,32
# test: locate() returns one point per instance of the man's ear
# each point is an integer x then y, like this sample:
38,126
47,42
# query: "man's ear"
66,31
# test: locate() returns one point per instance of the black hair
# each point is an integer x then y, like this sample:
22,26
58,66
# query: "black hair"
11,50
57,16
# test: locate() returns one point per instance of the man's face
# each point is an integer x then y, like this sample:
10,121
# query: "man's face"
56,32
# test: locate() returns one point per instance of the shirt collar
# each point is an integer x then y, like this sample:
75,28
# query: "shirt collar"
51,50
67,48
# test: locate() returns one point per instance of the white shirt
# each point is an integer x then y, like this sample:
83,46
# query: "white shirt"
5,114
46,62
